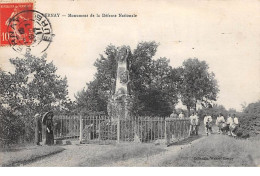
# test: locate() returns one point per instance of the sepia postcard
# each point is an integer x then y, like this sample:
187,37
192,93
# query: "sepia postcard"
121,83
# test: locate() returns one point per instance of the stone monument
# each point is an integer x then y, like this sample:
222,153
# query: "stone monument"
120,104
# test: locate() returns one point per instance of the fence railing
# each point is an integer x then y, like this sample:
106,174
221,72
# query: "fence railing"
176,129
105,130
66,127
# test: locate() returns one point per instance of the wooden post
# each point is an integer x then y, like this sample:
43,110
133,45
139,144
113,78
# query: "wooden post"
99,132
80,129
118,129
37,141
165,132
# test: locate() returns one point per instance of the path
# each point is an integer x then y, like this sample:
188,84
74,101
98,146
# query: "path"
76,154
154,160
72,156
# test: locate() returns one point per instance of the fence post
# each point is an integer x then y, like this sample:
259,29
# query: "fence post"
80,129
118,129
165,131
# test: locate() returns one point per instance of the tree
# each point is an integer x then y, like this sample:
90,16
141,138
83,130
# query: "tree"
34,87
150,85
197,84
213,111
11,127
94,97
37,87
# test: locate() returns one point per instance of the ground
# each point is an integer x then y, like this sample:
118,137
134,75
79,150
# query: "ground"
16,156
73,155
85,155
202,150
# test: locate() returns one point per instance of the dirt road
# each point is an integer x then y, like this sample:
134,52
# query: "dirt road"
74,155
155,160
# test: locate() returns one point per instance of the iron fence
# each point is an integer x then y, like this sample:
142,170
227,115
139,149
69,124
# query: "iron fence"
176,129
66,127
107,130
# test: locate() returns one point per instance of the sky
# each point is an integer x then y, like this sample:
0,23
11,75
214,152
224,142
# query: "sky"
226,34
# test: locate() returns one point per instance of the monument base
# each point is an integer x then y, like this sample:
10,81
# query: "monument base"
120,107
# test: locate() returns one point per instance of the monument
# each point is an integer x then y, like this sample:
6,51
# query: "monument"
120,104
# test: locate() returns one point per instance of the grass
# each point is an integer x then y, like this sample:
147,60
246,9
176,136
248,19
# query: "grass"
21,156
217,150
123,152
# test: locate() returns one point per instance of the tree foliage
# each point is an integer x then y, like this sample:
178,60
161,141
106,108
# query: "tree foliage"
250,119
151,85
197,84
213,111
34,87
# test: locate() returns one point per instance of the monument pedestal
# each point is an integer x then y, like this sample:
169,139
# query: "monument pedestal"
120,107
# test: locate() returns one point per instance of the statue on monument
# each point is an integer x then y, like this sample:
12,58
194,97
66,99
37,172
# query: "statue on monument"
119,105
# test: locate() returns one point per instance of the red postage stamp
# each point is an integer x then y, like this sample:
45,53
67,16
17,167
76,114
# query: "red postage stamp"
16,29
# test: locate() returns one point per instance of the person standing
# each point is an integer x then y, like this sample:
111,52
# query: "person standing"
181,115
197,123
48,118
208,124
234,125
192,124
236,120
173,115
229,122
219,122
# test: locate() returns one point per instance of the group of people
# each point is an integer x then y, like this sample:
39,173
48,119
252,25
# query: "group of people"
175,115
230,125
194,121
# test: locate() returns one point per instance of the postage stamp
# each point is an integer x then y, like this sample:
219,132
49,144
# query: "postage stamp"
7,12
25,30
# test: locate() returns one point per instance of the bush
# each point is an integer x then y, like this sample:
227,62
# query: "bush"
12,128
250,119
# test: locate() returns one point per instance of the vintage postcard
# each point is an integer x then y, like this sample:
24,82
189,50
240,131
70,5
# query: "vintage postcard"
120,83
